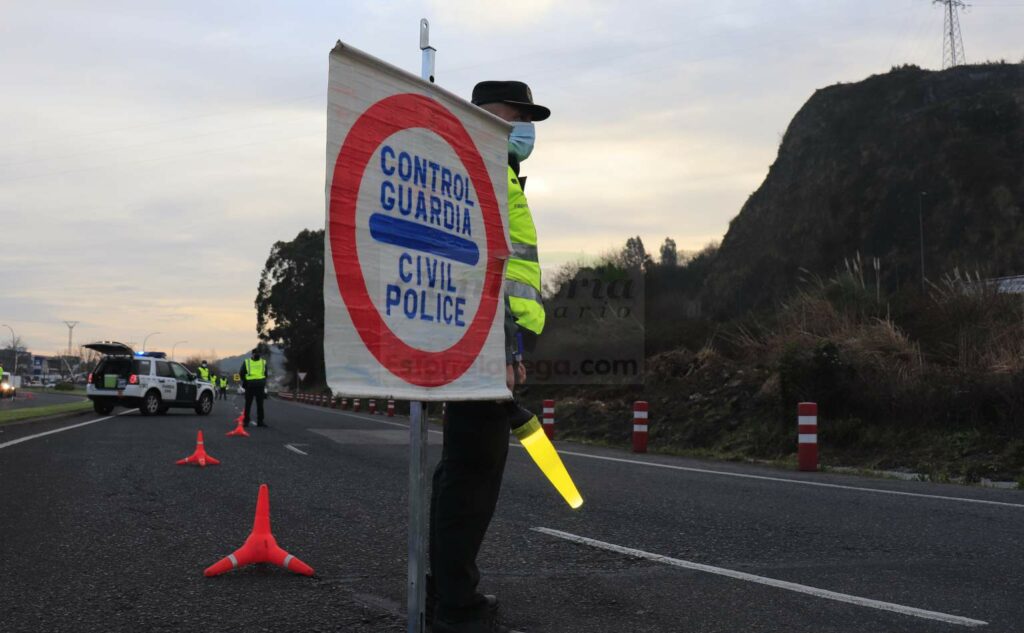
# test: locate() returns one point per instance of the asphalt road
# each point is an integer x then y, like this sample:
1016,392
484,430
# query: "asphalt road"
28,399
100,531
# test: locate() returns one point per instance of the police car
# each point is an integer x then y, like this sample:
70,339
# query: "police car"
146,380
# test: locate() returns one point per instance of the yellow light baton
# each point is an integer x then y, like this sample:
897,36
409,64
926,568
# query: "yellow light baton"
542,451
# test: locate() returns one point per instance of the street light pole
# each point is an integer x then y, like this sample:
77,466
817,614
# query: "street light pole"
14,349
176,343
147,338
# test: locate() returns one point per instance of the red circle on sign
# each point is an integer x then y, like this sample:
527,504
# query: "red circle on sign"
381,120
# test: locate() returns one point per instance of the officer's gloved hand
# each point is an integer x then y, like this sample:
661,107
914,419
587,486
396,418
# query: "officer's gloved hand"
521,420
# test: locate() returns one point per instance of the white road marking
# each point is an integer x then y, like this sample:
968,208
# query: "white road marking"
707,471
771,582
801,482
295,450
62,429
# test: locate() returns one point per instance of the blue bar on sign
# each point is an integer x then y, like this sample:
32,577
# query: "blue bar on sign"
415,236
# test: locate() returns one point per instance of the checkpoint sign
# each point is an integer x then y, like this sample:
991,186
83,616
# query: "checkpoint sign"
416,237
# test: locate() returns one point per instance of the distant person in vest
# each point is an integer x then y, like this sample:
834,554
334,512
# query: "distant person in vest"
468,477
254,379
213,383
204,371
223,387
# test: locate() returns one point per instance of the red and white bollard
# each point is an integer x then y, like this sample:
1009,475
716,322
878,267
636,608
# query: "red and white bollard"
344,403
372,406
549,419
391,407
640,426
807,435
355,404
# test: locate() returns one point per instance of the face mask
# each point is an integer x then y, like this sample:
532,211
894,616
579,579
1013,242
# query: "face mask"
521,140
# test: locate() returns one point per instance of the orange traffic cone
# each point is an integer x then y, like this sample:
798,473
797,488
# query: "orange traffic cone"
199,457
240,429
260,547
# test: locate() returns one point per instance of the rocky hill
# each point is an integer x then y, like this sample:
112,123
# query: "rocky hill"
849,178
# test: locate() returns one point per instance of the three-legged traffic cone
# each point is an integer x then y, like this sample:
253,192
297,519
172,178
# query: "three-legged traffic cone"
199,457
240,429
260,547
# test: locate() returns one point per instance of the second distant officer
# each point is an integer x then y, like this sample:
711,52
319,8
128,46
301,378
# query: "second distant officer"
254,379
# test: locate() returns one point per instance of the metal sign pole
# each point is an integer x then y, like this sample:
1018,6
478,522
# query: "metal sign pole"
418,525
417,517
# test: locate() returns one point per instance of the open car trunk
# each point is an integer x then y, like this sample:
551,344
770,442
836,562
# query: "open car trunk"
117,364
113,372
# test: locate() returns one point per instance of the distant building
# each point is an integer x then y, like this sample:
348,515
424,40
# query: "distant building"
7,360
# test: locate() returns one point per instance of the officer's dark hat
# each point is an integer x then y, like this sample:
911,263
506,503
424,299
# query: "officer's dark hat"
512,92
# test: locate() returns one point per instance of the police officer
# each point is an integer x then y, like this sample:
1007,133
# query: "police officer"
468,478
254,379
204,371
223,387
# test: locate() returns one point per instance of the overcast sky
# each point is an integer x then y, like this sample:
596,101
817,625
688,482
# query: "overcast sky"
152,152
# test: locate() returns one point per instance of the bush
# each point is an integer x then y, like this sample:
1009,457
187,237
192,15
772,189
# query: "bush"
64,386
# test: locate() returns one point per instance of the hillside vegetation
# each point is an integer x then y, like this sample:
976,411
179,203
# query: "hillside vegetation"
816,292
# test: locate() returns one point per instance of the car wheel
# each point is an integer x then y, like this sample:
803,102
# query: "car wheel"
103,408
150,404
205,404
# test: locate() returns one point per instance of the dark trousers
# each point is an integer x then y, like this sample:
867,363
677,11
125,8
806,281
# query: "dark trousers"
462,501
255,390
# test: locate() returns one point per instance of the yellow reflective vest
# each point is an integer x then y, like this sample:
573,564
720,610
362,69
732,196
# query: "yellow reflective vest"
223,383
522,275
255,369
204,373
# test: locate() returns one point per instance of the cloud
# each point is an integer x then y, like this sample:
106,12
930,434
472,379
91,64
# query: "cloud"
483,16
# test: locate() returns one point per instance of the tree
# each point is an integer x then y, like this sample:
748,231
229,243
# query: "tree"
669,254
634,255
8,352
290,303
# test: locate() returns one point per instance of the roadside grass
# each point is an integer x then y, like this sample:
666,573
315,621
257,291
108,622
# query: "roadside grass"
77,391
16,415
